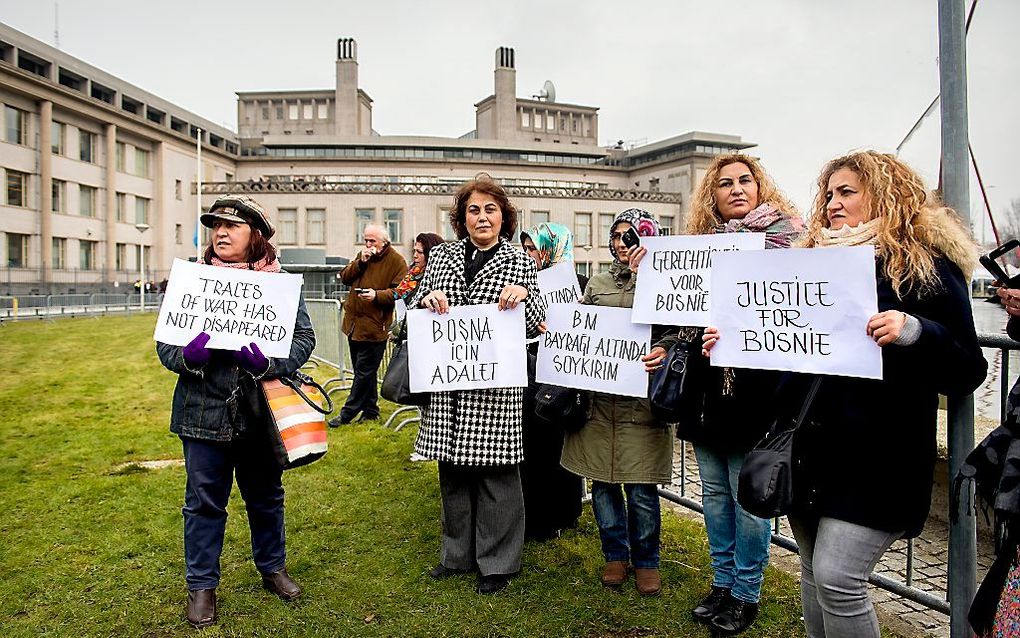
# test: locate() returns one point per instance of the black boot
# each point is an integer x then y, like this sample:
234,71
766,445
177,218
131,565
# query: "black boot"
710,606
734,616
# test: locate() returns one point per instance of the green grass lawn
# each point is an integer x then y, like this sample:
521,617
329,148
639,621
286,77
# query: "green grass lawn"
87,550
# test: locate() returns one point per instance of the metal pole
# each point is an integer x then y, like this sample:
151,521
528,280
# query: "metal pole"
955,192
198,196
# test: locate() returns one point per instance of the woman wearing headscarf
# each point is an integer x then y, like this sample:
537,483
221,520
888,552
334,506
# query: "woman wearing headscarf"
623,448
219,441
552,495
724,417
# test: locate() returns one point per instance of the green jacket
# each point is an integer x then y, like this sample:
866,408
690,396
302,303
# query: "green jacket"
622,441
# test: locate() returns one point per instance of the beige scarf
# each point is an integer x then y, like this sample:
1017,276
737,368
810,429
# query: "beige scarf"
847,235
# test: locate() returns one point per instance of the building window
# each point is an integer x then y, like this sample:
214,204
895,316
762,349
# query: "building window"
362,218
177,234
582,229
228,177
666,224
525,119
443,228
292,111
121,151
279,112
307,111
17,188
315,226
323,111
16,121
288,225
141,210
87,254
59,253
141,162
604,266
17,250
265,112
86,201
605,227
121,200
550,122
538,120
57,130
59,194
177,189
392,218
583,268
120,256
540,216
87,146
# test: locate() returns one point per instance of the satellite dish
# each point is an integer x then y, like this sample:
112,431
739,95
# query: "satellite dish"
548,92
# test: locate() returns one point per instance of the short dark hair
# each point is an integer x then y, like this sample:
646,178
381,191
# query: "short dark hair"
482,183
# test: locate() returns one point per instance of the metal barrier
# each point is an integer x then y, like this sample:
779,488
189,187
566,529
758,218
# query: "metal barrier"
74,304
906,587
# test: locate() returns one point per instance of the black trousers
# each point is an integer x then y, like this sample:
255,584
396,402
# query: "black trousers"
364,397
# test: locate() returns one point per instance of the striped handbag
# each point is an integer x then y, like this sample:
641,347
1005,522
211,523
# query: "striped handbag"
296,419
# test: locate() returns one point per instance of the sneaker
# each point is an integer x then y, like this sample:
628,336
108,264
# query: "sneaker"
648,581
614,573
337,421
734,616
710,606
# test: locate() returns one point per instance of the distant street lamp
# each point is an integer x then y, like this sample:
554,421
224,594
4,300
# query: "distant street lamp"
142,227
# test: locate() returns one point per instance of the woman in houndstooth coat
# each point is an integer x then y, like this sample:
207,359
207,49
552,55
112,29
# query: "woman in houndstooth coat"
476,434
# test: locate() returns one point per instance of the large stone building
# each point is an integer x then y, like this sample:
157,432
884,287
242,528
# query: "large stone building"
86,157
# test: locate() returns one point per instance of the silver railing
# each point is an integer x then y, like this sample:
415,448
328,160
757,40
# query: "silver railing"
18,307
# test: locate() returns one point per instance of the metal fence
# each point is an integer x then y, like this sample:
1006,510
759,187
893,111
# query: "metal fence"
13,308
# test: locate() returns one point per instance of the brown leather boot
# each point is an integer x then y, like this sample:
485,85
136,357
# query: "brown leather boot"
614,573
648,581
201,607
281,584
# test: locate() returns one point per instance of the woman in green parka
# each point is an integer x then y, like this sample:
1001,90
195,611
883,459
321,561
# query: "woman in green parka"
623,445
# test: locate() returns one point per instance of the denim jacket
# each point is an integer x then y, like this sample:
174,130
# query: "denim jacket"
205,404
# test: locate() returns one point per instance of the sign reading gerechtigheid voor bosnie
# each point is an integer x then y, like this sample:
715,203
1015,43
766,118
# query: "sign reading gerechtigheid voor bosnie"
799,309
594,348
235,306
673,285
468,348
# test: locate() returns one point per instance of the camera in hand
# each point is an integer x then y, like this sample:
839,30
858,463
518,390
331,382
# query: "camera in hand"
630,238
993,267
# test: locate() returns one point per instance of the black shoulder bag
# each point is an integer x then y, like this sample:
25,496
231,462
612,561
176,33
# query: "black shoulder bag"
765,486
670,381
565,407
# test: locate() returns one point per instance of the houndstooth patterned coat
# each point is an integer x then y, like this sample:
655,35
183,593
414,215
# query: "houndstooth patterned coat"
477,427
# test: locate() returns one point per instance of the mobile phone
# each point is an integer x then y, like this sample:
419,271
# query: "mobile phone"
992,266
358,291
630,238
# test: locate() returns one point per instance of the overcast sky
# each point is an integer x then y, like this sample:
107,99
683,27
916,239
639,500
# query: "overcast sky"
806,80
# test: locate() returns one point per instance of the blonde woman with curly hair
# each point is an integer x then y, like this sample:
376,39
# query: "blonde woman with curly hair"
868,453
725,417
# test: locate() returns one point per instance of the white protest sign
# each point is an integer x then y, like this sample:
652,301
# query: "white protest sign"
400,310
468,348
798,309
673,281
235,306
559,284
594,348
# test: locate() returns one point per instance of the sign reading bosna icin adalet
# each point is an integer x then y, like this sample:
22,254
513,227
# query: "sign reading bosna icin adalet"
468,348
798,309
594,348
559,284
673,285
235,306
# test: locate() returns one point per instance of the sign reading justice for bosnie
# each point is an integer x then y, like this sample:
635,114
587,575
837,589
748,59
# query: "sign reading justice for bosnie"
593,348
235,306
468,348
799,309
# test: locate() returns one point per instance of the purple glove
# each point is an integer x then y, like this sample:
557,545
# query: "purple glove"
252,360
195,353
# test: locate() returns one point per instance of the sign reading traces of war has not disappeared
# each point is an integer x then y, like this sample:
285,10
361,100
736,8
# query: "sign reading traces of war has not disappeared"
674,282
235,306
799,309
594,348
468,348
559,284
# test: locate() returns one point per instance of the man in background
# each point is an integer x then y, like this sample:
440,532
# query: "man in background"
372,276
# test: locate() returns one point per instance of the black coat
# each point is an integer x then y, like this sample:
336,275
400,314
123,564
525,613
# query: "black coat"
868,451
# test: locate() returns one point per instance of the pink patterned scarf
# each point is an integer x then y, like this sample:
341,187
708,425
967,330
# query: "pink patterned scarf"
262,265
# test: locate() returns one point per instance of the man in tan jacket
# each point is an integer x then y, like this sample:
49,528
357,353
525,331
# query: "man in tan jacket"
372,275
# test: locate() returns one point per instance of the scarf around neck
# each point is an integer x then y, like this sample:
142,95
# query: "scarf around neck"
262,265
780,230
847,235
409,283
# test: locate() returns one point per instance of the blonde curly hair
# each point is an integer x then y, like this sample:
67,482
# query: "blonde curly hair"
704,214
914,229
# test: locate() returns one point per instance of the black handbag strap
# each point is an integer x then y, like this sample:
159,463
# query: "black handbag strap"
808,400
303,379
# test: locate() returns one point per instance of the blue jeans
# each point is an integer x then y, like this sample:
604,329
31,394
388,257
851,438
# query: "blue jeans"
210,467
628,532
738,542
